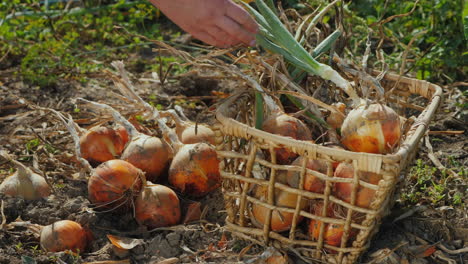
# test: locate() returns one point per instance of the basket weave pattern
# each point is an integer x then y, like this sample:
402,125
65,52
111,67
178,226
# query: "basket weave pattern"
242,166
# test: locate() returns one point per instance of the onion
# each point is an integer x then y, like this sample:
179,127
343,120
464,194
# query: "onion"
333,233
188,132
335,119
280,123
285,125
122,132
335,146
100,144
157,206
24,183
195,169
311,182
280,221
114,184
342,190
372,129
64,235
150,154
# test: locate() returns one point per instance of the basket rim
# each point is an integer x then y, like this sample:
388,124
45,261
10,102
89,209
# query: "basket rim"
231,126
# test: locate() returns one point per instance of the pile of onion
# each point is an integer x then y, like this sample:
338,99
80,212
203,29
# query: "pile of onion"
343,190
194,169
150,154
373,128
280,221
157,206
24,182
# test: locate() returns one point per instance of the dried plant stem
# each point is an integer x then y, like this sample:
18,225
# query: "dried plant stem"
72,129
435,160
4,220
127,88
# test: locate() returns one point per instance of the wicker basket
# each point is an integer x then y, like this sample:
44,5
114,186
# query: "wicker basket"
241,162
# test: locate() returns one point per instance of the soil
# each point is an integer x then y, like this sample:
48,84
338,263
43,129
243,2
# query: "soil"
443,226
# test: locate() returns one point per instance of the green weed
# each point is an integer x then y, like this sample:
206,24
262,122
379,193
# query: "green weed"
49,43
438,55
426,184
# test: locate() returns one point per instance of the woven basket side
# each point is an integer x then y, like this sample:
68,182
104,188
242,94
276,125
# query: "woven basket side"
239,152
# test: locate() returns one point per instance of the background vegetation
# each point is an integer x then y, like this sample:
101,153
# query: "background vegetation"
49,40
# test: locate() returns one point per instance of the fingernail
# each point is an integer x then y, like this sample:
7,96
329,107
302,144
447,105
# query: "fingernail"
252,43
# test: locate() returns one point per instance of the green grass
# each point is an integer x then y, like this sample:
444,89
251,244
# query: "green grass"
49,44
425,184
439,55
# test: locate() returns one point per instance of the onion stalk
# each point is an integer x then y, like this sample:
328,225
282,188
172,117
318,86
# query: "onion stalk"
275,37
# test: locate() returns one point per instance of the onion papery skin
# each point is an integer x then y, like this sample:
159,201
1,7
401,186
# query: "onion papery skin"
288,126
187,135
371,129
150,154
123,133
343,190
29,187
282,198
64,235
157,206
114,184
311,182
100,144
333,232
335,120
194,171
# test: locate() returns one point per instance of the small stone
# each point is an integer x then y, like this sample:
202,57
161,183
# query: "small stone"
168,251
173,239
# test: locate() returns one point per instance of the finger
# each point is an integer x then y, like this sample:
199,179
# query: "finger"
242,17
206,37
221,36
236,31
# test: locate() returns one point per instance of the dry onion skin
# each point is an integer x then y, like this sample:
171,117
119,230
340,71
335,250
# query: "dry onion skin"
195,170
373,129
100,144
157,206
24,182
114,184
333,232
64,235
311,182
280,221
335,120
189,132
150,154
343,190
283,124
195,133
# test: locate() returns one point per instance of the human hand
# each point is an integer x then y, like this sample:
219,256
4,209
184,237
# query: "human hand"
220,23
